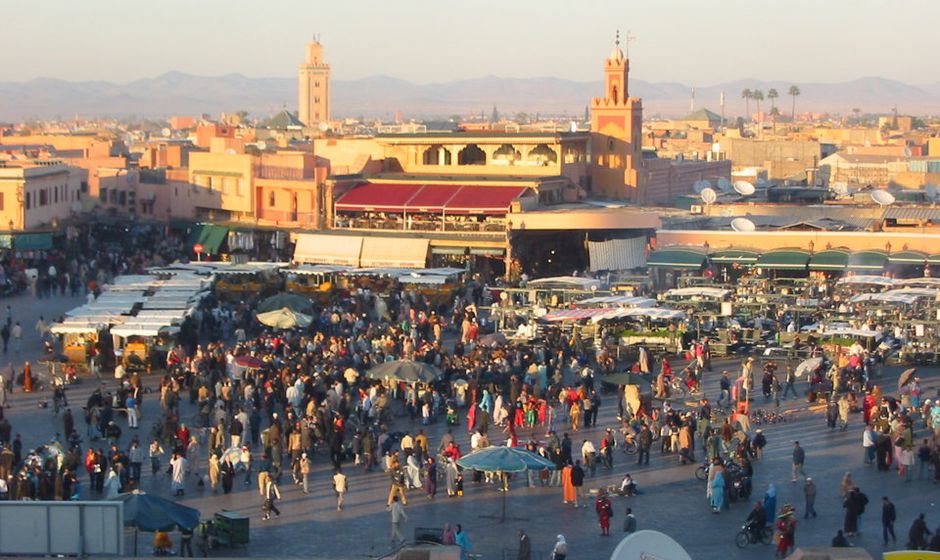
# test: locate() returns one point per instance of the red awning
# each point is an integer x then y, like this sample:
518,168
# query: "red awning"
414,198
433,198
484,200
377,197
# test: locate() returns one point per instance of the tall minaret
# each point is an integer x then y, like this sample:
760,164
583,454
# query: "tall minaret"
616,133
313,87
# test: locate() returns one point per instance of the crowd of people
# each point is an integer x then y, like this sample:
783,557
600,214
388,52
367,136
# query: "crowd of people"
270,404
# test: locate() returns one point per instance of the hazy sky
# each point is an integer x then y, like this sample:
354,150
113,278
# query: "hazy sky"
687,41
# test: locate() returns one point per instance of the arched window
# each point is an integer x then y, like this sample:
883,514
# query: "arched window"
543,155
436,154
506,155
471,155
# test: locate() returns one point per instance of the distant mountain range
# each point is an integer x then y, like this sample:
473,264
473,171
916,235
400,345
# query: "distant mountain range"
176,93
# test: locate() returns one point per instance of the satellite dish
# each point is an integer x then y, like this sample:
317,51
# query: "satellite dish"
76,207
743,225
262,145
165,132
323,127
744,188
231,151
709,195
724,185
882,198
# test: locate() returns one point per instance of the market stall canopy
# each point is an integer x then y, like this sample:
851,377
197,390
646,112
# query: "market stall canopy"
564,282
901,295
863,279
311,269
406,252
148,512
829,260
618,301
918,282
784,259
867,261
404,370
885,297
908,257
142,329
677,258
499,458
654,313
293,302
852,333
698,291
572,314
284,318
317,248
731,256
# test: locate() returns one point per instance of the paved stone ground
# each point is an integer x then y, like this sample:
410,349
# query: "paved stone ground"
672,501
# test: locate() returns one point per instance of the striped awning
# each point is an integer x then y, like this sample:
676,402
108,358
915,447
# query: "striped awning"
787,259
867,261
744,256
676,258
907,257
830,259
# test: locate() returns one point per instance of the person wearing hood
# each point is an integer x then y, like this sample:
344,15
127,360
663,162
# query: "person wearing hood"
560,552
463,541
112,486
770,500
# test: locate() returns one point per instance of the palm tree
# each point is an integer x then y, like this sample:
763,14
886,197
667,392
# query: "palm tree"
746,96
794,91
772,95
774,113
757,96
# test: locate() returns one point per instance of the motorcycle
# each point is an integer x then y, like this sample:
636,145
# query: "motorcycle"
747,536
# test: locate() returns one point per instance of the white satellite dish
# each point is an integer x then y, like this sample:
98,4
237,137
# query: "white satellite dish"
323,127
724,185
231,151
262,145
649,544
743,225
699,186
882,198
709,195
744,188
165,132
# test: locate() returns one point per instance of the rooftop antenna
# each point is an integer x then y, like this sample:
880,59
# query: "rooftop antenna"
627,39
